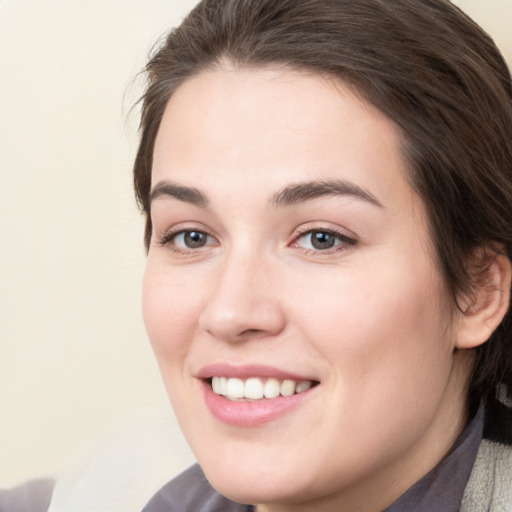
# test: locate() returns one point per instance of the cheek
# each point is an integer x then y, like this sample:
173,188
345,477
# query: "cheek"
382,331
389,359
170,310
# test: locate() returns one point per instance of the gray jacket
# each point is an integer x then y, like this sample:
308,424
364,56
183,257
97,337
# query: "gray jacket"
489,488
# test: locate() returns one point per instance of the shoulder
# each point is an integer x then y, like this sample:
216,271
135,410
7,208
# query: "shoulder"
32,496
490,484
191,492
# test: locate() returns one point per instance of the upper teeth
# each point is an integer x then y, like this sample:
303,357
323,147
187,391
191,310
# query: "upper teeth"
255,388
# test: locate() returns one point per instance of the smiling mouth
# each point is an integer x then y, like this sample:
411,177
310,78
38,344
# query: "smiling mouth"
255,388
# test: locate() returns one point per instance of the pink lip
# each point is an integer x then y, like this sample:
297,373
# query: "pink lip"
247,371
251,413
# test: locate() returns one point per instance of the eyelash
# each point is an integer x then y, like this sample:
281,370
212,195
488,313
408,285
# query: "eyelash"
341,241
171,235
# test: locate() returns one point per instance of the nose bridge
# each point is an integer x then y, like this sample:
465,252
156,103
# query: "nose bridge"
242,302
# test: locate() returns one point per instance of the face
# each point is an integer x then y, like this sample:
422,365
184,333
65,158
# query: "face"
292,296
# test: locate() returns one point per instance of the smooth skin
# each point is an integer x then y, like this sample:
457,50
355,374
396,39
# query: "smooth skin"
340,286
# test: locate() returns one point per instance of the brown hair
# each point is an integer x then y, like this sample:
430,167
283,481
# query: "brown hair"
424,64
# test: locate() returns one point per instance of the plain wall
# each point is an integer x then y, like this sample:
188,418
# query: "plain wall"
74,359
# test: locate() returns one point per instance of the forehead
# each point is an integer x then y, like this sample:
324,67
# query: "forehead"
245,126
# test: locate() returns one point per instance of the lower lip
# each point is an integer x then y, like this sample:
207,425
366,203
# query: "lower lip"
251,414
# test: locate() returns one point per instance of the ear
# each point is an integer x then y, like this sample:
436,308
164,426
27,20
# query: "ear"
489,302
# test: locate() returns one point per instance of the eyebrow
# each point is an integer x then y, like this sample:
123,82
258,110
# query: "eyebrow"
289,195
300,192
180,192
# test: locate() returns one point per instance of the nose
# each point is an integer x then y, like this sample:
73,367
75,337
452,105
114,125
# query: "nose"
244,302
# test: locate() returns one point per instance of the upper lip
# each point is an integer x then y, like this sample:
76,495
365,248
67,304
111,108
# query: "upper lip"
249,370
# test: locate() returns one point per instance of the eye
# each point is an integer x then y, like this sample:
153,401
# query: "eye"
190,239
321,240
187,239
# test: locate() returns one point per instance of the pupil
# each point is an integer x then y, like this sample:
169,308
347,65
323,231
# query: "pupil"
322,240
194,239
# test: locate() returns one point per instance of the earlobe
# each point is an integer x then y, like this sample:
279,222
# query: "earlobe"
488,304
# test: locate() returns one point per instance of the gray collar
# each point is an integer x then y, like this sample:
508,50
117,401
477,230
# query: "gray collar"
443,487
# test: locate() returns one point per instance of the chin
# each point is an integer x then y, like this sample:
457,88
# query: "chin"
268,483
250,491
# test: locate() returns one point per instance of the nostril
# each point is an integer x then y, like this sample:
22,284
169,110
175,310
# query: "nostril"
250,332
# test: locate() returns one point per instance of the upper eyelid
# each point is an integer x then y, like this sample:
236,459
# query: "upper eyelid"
339,231
297,232
187,226
171,233
346,241
341,236
167,238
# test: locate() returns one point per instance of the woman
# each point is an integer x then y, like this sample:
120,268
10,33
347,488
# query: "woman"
327,187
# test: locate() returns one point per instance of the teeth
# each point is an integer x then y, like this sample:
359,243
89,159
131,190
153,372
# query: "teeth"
223,385
216,385
255,388
220,385
303,386
236,388
288,387
272,388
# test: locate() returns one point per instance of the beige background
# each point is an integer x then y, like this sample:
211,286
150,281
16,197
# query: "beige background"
75,364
